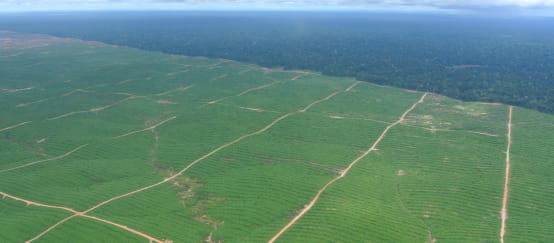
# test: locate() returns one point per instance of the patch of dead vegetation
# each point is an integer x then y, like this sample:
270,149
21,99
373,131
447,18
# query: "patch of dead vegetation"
151,122
211,240
198,203
470,110
426,120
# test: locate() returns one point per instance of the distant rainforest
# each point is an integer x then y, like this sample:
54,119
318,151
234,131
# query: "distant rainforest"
466,57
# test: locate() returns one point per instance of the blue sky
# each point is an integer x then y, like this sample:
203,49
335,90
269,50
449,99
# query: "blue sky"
539,6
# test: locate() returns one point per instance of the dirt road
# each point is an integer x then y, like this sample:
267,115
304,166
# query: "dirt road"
168,179
75,214
258,88
273,123
45,160
345,171
146,129
14,126
504,210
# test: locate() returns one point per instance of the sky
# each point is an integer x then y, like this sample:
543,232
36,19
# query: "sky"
538,6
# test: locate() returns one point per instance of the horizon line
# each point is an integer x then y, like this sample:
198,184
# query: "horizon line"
375,9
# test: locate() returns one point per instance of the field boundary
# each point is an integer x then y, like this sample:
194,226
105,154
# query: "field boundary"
504,210
267,127
94,109
145,129
345,171
45,160
14,126
77,213
259,87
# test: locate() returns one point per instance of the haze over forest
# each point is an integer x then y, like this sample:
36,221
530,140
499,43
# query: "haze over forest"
470,57
276,121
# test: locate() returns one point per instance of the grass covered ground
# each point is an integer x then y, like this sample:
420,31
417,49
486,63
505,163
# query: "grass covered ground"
104,143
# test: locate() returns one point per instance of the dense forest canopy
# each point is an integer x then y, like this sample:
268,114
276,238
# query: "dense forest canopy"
493,59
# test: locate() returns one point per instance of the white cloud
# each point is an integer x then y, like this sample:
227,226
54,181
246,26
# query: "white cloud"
106,4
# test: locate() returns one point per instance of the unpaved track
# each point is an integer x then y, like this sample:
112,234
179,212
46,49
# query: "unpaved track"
352,86
345,171
126,228
66,115
14,126
251,109
189,165
31,103
45,160
95,109
179,89
101,108
297,77
84,90
330,96
51,228
47,99
75,91
504,210
31,203
16,90
263,86
206,156
259,87
76,213
484,134
146,129
52,97
318,101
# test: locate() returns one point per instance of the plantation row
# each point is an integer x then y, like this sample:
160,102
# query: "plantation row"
261,143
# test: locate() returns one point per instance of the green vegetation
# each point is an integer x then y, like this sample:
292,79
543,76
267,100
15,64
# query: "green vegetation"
421,184
20,222
531,178
85,230
468,57
140,146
